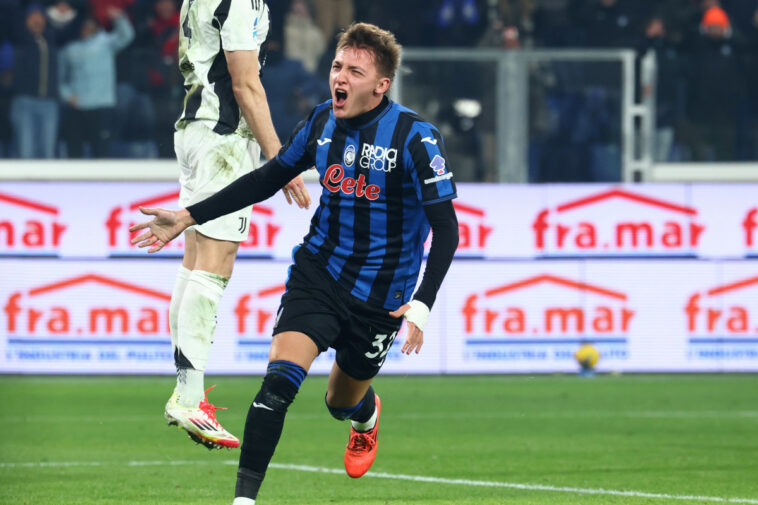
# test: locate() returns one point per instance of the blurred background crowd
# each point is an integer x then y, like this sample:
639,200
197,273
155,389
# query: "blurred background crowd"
98,78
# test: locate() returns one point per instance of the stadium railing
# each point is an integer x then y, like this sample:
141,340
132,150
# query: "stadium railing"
509,78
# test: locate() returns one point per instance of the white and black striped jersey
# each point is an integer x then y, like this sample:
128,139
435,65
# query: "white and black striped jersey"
208,27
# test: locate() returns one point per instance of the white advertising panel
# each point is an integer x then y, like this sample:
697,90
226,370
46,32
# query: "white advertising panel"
730,214
85,317
654,315
658,277
112,317
91,219
722,318
591,220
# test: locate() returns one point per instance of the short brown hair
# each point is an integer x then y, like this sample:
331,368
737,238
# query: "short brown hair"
380,42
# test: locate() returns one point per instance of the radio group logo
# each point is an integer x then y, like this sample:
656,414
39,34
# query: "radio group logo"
545,317
29,227
261,240
722,322
89,317
617,222
379,158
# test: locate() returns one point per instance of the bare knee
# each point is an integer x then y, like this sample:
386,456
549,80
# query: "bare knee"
215,256
344,391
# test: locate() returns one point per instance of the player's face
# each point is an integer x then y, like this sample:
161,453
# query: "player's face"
356,85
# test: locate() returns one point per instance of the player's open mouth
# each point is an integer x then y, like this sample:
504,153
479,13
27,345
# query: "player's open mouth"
340,97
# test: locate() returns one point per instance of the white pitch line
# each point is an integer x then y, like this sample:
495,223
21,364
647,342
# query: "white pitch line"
645,414
399,476
526,487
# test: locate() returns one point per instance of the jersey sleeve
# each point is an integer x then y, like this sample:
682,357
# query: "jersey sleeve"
246,25
425,156
295,152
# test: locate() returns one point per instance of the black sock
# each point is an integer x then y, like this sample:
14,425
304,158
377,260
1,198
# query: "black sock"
364,413
264,424
248,483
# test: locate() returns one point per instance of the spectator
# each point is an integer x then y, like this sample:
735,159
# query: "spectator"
101,10
163,78
88,84
303,41
669,80
752,77
333,16
10,13
510,24
554,23
292,91
63,20
277,13
608,23
459,22
34,107
718,88
419,33
6,80
164,27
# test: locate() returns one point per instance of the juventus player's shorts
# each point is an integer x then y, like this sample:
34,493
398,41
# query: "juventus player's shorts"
209,162
315,304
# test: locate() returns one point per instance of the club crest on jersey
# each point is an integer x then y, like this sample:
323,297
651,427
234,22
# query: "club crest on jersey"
378,158
348,157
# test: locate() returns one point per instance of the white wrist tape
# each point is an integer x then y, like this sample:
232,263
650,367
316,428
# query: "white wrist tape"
417,314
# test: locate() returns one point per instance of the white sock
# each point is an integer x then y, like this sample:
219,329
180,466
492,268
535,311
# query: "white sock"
182,276
368,425
195,327
243,501
190,387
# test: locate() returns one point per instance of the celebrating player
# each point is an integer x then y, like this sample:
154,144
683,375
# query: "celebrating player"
223,127
385,182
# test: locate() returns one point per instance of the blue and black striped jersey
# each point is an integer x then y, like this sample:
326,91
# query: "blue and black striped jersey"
377,171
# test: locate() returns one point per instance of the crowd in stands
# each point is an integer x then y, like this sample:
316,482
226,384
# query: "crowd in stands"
98,78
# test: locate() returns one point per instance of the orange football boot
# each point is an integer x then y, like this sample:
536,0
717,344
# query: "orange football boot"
362,446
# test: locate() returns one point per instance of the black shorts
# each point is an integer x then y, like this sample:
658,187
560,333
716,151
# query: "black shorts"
316,305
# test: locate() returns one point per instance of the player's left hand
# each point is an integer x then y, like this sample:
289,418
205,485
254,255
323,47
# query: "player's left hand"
296,190
163,228
416,313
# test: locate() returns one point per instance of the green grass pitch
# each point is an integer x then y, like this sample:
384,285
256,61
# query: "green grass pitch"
638,439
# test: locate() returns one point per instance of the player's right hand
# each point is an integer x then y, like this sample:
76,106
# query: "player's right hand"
296,190
416,313
162,229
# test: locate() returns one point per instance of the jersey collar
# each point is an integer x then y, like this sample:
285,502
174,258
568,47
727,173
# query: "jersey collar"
367,118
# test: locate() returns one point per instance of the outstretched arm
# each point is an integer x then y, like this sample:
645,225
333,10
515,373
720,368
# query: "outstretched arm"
123,32
444,225
251,188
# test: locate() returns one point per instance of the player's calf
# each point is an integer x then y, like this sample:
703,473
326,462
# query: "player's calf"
264,426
